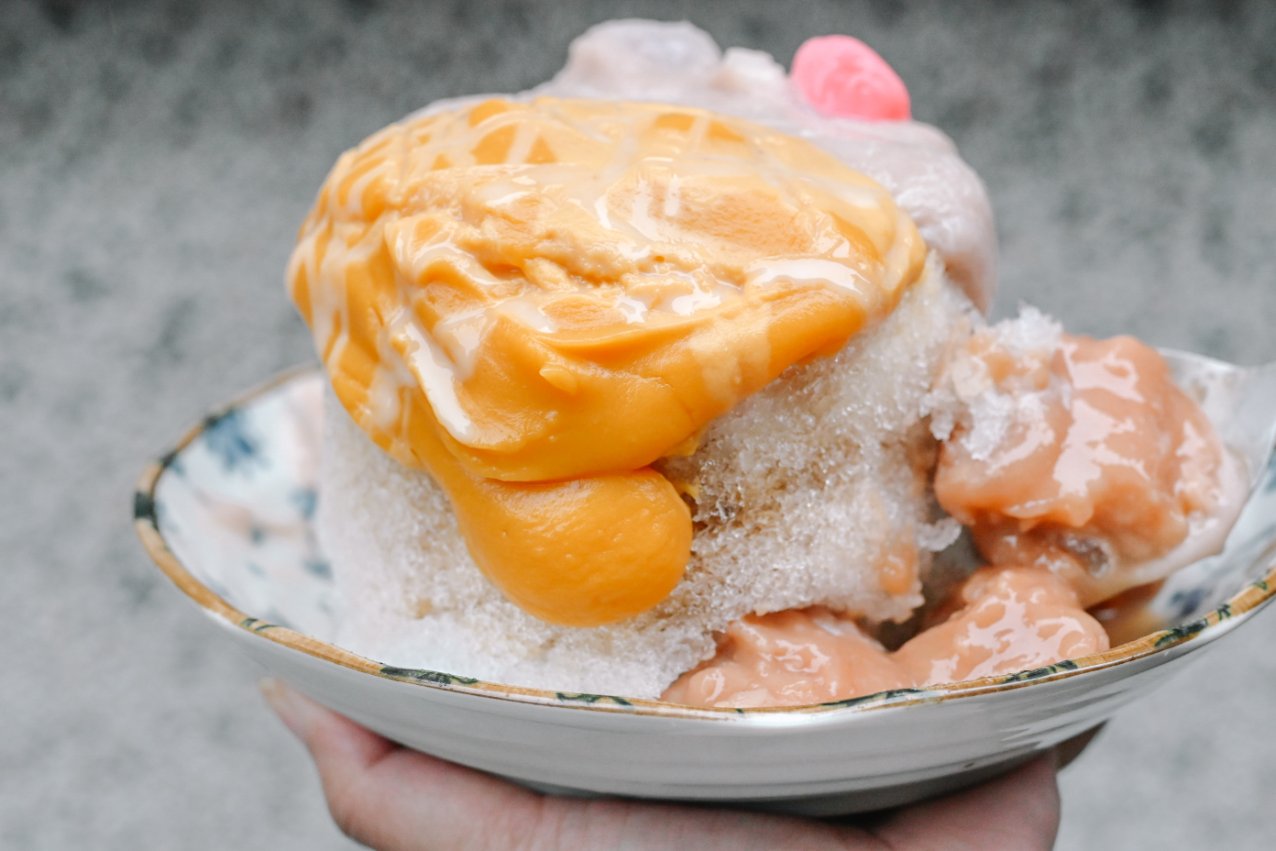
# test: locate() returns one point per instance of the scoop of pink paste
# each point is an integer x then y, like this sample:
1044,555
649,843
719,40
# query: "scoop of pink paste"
789,659
1010,619
1102,465
843,77
1014,619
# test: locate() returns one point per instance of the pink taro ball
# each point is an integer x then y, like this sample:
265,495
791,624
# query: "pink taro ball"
843,77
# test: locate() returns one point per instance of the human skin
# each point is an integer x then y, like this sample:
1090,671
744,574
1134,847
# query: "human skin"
389,797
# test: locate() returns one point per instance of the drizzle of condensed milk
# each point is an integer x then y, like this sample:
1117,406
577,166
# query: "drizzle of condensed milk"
534,301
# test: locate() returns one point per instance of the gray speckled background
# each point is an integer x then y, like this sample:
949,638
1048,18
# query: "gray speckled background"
155,160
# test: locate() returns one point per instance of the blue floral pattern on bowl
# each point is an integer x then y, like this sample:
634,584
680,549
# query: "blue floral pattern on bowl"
245,492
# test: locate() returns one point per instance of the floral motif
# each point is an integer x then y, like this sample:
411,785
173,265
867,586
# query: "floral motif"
423,676
228,437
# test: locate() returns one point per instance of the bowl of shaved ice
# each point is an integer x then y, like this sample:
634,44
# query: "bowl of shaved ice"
661,446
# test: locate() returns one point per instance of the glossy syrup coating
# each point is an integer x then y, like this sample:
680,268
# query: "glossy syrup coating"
1007,619
1099,467
788,659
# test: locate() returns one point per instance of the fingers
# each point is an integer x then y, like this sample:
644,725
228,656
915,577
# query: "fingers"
337,738
1019,810
392,798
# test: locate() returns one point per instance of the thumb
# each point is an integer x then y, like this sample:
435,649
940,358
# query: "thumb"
389,797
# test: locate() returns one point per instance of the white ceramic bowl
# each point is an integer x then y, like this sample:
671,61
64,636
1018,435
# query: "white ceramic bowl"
227,517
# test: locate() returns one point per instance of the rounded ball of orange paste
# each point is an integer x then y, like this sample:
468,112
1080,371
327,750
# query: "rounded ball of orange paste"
630,539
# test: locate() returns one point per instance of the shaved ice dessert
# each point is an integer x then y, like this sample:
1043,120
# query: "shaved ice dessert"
670,378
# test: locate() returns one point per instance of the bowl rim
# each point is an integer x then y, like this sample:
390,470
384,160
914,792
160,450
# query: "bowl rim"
1239,607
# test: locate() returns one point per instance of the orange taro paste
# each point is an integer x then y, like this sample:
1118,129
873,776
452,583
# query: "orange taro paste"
534,301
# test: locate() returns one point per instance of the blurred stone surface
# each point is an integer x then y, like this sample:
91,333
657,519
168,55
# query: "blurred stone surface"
156,158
